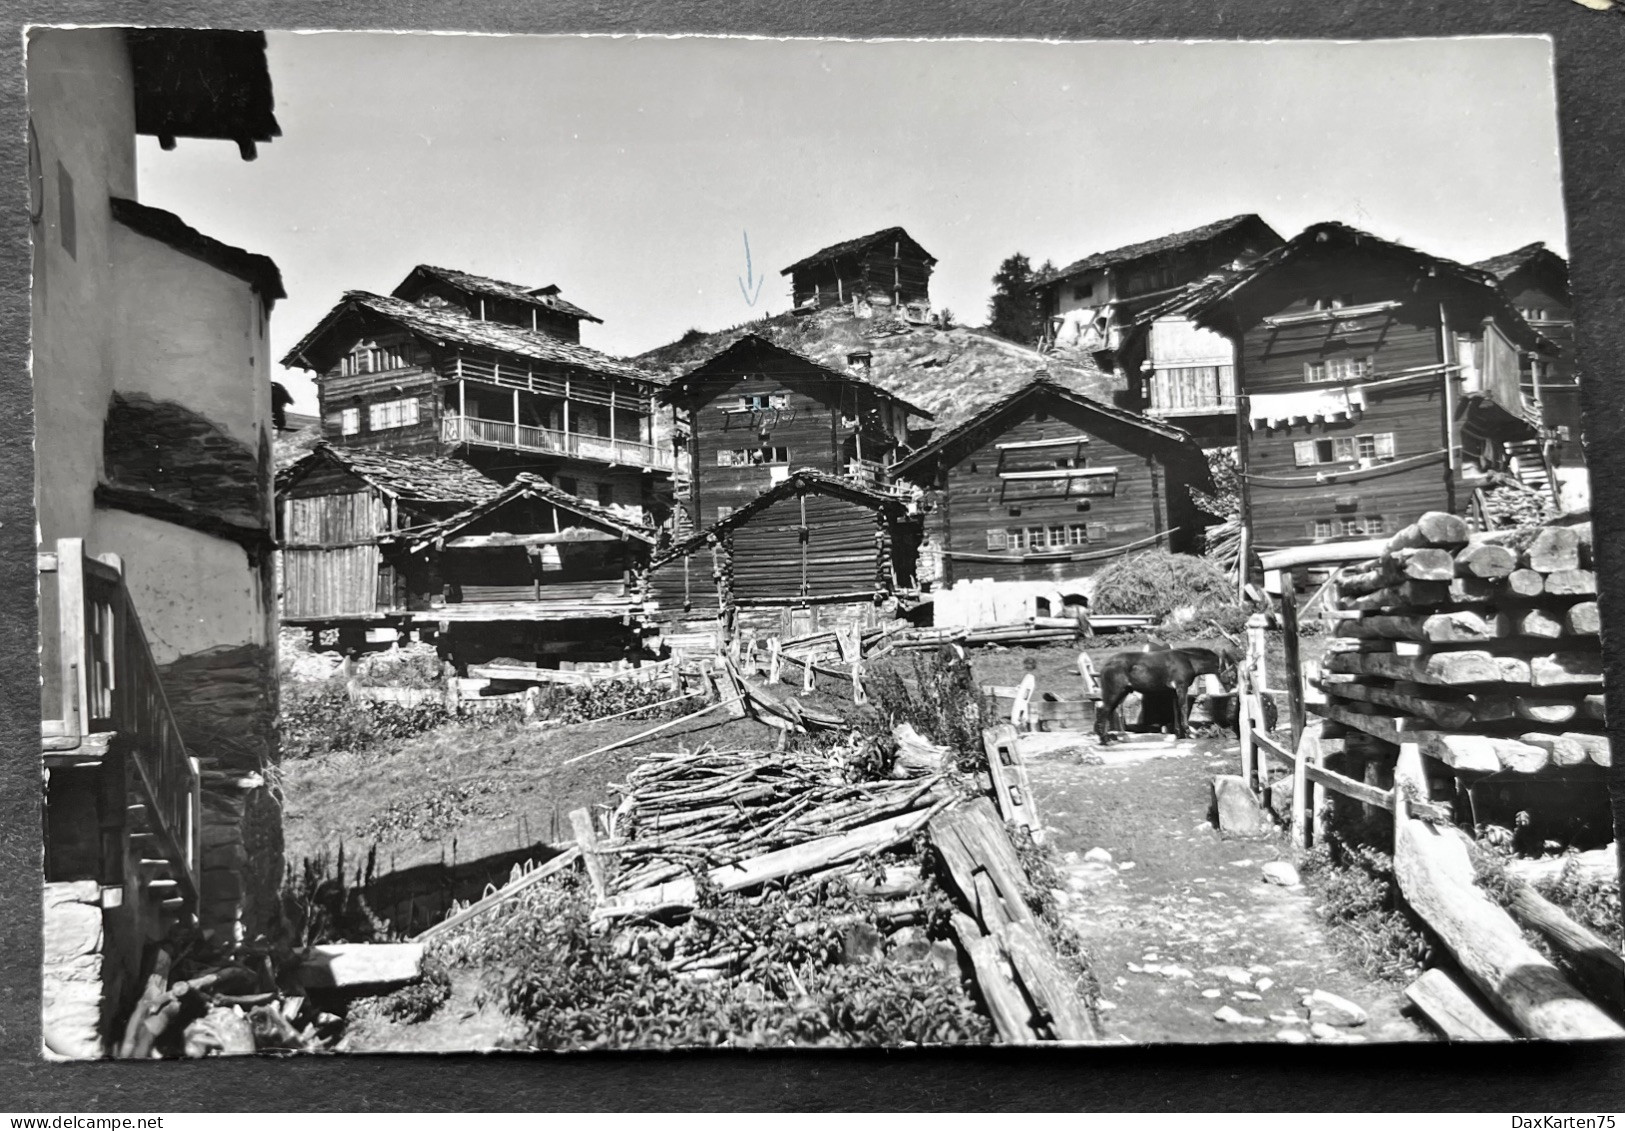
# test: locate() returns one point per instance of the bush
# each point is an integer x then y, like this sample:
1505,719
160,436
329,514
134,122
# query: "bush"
580,704
577,988
1156,582
321,718
1358,896
415,666
420,1000
944,704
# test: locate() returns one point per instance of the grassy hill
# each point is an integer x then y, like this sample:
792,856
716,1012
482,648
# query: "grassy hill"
953,373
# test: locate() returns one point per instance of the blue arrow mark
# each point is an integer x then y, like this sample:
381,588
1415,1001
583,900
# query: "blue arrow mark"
750,280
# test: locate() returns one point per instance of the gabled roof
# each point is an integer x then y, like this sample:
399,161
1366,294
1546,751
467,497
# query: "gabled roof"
410,478
258,271
1205,234
191,82
855,247
1040,386
1205,295
798,483
1505,266
544,298
523,487
446,326
741,350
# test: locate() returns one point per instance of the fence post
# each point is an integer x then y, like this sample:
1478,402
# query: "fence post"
1281,582
1244,723
70,588
1306,749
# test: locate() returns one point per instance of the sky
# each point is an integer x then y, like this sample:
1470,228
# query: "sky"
632,171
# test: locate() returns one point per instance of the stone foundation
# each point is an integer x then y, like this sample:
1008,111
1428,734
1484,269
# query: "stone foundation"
74,1010
224,700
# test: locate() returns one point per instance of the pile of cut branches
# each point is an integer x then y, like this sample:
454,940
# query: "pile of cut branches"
684,812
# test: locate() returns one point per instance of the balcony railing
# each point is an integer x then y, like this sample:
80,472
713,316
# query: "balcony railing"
112,701
549,441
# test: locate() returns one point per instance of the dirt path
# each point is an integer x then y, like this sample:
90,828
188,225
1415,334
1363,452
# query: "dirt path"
1181,923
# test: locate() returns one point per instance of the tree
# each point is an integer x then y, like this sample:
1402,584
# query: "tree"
1013,311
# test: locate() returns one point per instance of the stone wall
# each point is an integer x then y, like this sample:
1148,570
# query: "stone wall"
73,1005
224,702
183,457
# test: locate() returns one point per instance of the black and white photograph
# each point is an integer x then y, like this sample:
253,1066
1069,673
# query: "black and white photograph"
562,543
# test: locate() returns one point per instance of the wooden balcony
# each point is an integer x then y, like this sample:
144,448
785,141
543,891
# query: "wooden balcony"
110,710
608,450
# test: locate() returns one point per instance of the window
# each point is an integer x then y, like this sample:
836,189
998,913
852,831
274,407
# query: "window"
1077,534
1323,528
1338,369
350,421
606,494
1350,526
761,402
567,484
392,414
1035,538
1375,447
752,457
1533,313
65,220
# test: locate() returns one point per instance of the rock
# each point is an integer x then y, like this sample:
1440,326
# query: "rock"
362,964
1292,1037
1233,974
1097,856
71,1017
1333,1010
1240,814
1125,866
1259,968
1329,1035
220,1032
1230,1016
944,956
1247,995
1263,984
1286,1019
1172,971
862,942
1281,873
72,929
1212,993
1105,1005
1071,857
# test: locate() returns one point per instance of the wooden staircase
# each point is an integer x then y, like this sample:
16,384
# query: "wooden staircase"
1528,465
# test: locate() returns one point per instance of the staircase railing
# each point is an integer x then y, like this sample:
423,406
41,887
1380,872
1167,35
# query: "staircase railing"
112,698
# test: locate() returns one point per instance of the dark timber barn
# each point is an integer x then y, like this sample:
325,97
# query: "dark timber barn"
814,552
1048,484
756,410
884,269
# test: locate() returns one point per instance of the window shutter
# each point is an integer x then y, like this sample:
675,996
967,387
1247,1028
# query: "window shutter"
996,540
1303,451
1385,445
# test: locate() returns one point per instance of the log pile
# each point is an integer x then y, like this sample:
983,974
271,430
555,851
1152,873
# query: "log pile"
748,817
1481,648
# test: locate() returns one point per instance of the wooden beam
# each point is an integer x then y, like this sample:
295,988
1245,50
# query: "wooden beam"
1372,795
569,534
1597,964
1436,877
1455,1014
1476,753
1331,553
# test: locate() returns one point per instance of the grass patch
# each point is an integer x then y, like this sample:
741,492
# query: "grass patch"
1358,897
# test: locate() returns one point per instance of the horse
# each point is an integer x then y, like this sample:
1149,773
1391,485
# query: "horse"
1157,672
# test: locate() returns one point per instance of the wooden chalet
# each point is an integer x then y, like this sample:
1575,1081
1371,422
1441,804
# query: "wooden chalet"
427,545
1085,304
755,410
1374,381
1049,485
814,551
882,269
335,509
454,364
1535,279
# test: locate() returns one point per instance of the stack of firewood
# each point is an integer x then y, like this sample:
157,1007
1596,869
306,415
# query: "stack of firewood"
1481,648
748,817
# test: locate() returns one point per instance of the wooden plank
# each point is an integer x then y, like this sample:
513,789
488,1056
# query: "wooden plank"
1012,1016
1455,1014
1455,626
1009,773
1436,876
1485,561
587,841
1597,965
985,845
568,536
1050,988
1442,668
554,866
1445,713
